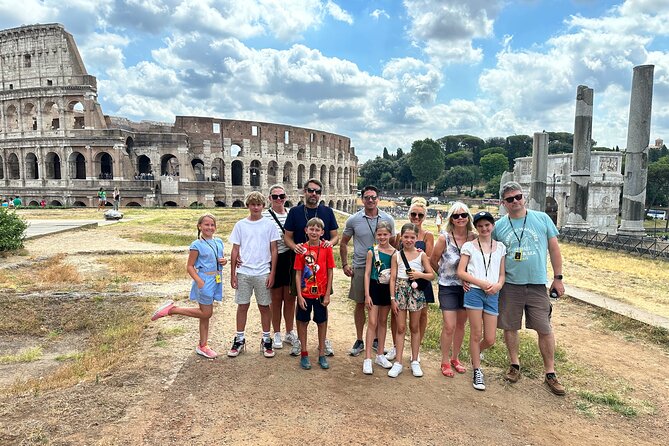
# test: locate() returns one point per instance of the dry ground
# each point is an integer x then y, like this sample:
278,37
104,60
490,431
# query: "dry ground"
162,393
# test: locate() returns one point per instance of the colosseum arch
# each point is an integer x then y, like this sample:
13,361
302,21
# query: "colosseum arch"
346,180
169,165
339,205
300,154
13,167
55,203
340,179
300,176
238,204
75,111
32,169
313,171
51,116
288,173
33,203
237,168
29,117
79,204
144,164
255,170
169,204
52,166
198,169
133,204
104,166
12,118
331,203
332,177
236,150
77,165
218,170
272,172
324,175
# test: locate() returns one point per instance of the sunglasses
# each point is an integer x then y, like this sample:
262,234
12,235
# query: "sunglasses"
463,215
313,191
370,197
278,197
414,215
515,197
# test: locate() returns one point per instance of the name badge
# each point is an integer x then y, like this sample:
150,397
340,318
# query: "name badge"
218,278
518,256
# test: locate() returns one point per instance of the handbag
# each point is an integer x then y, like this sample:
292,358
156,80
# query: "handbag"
421,284
384,274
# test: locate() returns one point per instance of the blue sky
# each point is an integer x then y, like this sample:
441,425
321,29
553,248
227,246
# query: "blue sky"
382,72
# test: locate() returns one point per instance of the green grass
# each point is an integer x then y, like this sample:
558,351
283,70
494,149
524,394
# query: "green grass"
168,239
29,355
69,356
608,400
633,329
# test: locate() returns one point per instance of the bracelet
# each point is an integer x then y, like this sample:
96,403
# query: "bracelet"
344,265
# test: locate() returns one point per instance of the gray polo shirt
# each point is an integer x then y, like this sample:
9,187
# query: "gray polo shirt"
363,230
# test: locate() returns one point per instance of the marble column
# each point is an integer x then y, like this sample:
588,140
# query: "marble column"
580,170
506,177
537,199
636,155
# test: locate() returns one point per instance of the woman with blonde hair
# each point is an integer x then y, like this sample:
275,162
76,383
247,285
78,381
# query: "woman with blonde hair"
445,258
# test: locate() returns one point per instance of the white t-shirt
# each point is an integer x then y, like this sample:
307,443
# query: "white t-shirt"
281,246
254,238
476,266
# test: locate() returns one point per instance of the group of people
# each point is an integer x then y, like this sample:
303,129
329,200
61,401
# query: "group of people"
10,202
102,198
490,273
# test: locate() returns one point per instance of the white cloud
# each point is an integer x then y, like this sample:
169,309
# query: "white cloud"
338,13
378,13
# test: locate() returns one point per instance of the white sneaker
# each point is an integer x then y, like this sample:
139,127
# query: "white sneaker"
383,362
415,369
395,371
367,367
290,338
297,348
418,358
329,351
278,343
392,353
477,380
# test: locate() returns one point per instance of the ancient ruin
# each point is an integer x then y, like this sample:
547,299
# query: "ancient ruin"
56,143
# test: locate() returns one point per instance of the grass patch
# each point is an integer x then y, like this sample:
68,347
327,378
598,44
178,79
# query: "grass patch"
69,356
29,355
145,267
633,329
608,400
53,273
168,239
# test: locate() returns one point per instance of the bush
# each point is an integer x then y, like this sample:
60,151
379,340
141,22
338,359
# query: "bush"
12,230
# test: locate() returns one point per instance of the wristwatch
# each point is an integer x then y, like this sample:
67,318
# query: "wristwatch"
557,277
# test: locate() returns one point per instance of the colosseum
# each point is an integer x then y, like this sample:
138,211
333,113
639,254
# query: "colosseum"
57,145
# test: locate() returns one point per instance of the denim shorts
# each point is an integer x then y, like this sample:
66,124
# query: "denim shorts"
477,299
451,298
320,311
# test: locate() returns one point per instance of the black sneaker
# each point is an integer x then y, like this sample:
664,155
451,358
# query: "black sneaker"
358,347
238,346
266,346
375,345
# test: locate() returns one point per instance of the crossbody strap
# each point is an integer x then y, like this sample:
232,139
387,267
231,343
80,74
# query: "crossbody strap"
277,220
404,259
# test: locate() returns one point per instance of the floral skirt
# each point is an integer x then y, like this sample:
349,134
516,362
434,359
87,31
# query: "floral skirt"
410,299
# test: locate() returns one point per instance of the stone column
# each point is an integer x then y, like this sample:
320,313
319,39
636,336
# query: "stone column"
506,177
537,199
636,156
580,170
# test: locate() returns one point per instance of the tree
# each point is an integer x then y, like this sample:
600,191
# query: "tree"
493,185
657,192
495,141
403,171
372,170
493,164
494,149
12,230
518,146
460,158
456,177
426,160
399,154
386,155
474,145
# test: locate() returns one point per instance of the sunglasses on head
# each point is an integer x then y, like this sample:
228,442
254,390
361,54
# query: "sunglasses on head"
314,191
415,214
515,197
278,197
463,215
370,197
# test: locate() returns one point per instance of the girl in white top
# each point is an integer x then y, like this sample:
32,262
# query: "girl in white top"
406,296
482,266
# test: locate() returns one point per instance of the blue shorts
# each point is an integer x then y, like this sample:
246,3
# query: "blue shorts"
210,292
320,311
477,299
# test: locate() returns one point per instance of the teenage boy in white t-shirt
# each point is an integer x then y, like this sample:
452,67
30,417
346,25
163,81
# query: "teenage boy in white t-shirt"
253,265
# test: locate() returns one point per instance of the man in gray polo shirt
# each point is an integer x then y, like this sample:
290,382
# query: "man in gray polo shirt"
362,227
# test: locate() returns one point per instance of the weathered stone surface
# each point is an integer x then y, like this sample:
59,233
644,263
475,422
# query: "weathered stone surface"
537,198
580,174
56,144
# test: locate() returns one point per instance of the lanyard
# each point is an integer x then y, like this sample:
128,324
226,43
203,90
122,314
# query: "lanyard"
514,229
373,231
483,255
306,216
456,242
218,267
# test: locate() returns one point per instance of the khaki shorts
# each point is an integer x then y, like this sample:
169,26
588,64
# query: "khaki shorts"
532,300
248,285
357,290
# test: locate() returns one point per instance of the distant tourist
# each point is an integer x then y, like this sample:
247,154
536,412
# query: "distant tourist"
438,221
206,259
117,198
42,203
18,202
528,235
102,198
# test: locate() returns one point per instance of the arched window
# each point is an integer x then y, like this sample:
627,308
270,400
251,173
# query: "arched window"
218,170
169,165
198,169
105,166
32,169
254,173
144,164
237,173
52,166
13,167
77,163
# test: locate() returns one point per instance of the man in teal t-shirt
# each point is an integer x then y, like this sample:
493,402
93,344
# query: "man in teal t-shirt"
528,235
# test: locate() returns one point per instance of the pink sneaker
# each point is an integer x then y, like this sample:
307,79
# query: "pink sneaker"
204,350
163,310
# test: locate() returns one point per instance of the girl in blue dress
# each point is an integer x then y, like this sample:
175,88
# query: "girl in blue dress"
205,265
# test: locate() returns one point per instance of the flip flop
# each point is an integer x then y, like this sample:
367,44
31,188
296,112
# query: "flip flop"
457,365
446,370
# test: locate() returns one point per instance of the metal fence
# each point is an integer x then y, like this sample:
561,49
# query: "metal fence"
643,246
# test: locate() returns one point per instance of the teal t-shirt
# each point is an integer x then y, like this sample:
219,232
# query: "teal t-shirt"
526,261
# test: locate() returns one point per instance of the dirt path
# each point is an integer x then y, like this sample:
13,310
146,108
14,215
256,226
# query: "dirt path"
170,396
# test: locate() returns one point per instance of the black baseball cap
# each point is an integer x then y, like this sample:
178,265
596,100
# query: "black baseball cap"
484,215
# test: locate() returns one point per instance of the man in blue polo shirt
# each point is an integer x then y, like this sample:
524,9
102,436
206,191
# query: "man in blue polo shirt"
528,235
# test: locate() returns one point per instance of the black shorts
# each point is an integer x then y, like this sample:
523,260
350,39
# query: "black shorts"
451,298
320,312
284,269
429,293
379,292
